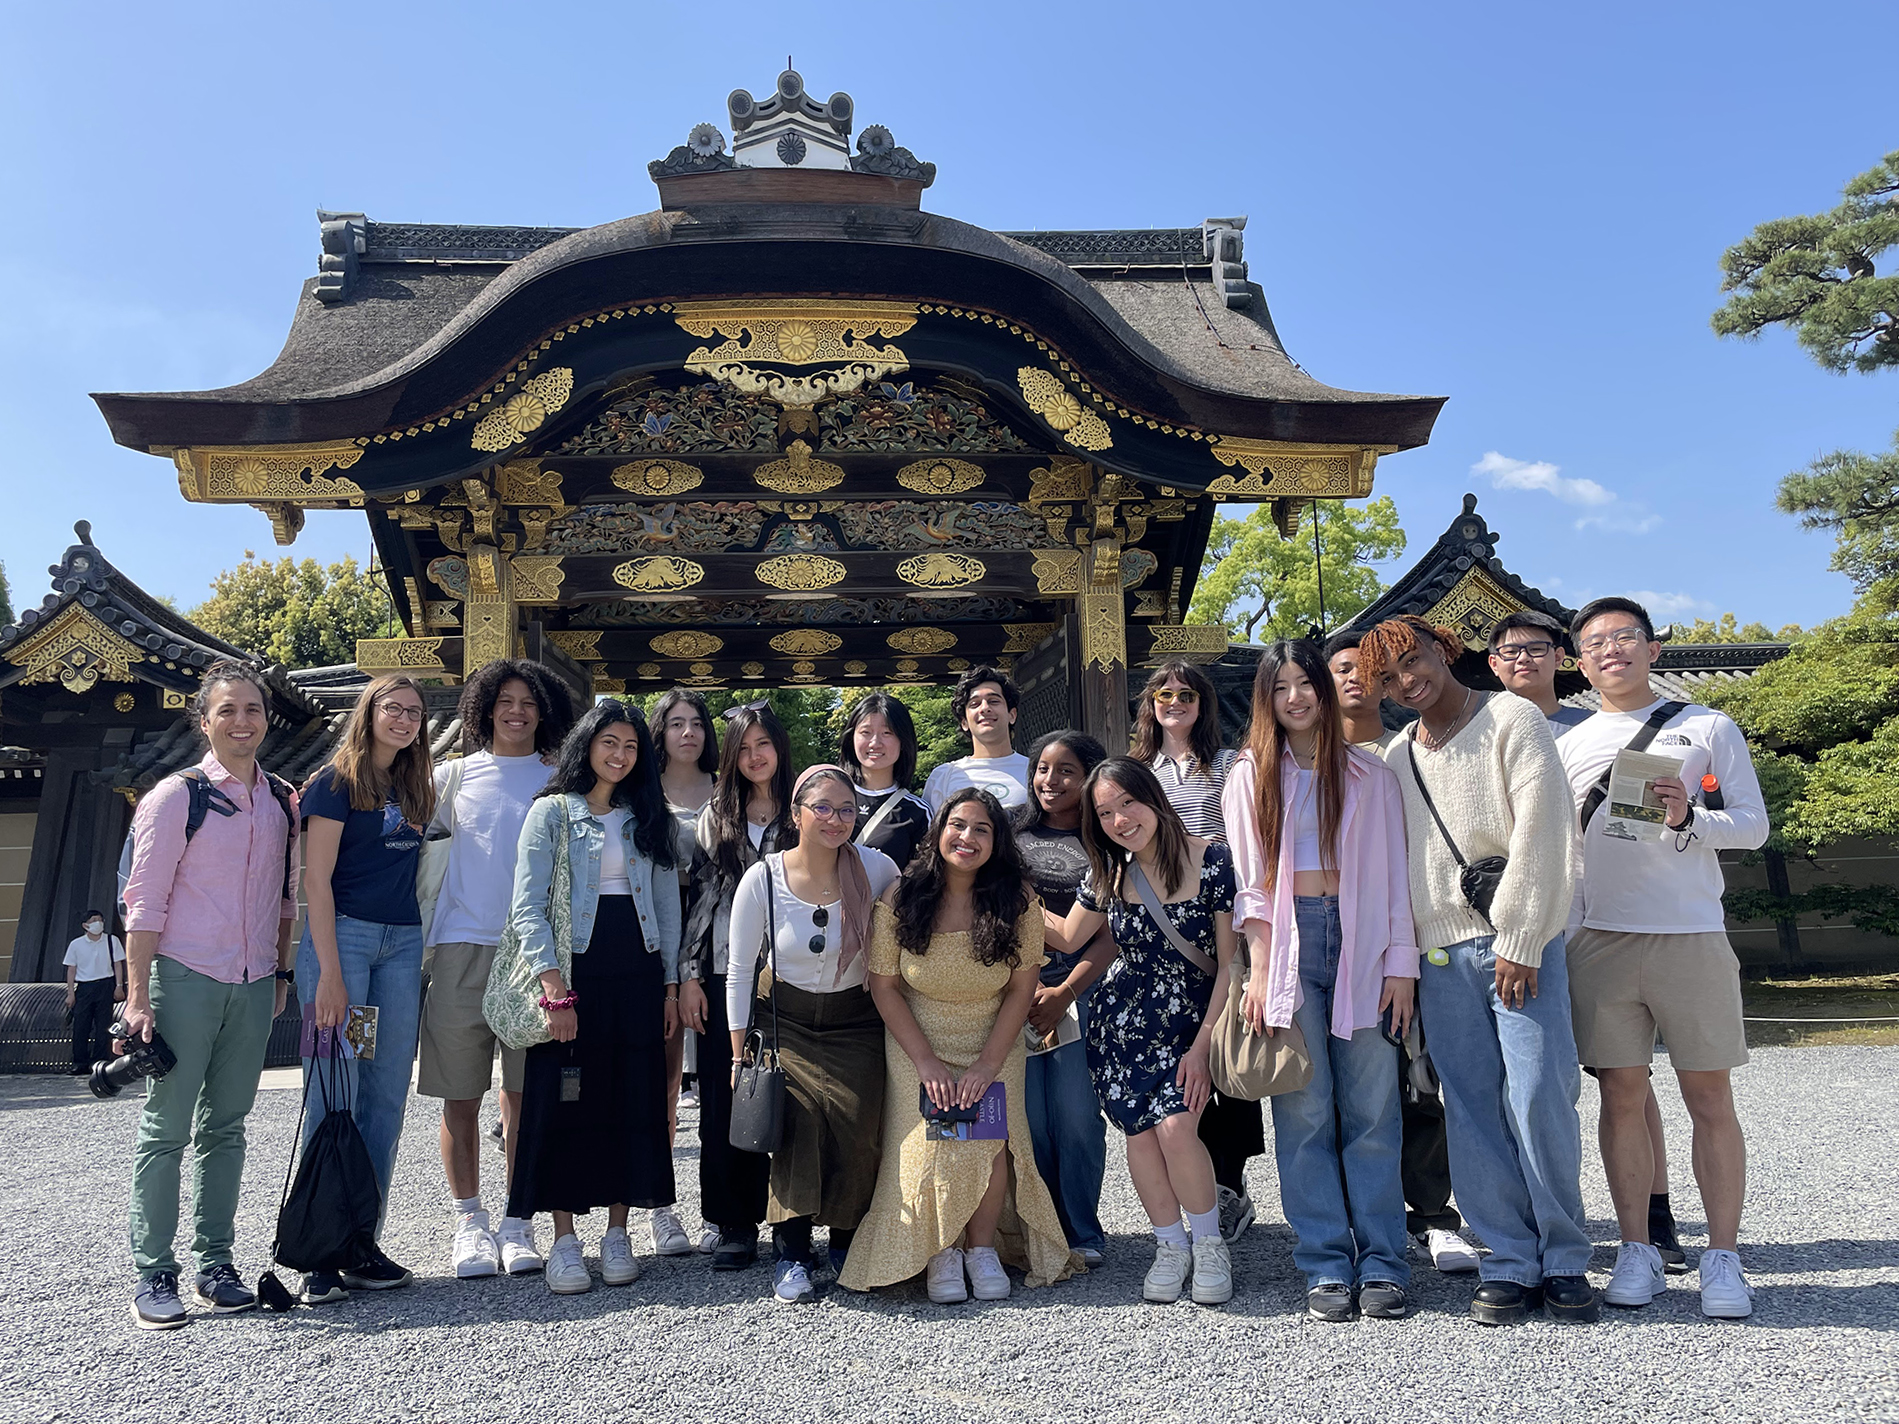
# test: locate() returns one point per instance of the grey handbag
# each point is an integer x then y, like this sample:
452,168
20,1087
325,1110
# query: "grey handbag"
758,1095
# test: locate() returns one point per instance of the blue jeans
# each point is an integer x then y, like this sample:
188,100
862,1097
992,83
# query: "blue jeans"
1511,1081
382,965
1339,1140
1068,1133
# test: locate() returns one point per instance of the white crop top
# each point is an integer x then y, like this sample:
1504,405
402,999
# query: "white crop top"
1305,821
613,876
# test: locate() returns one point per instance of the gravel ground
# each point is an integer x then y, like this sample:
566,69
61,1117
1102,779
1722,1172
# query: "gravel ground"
1822,1246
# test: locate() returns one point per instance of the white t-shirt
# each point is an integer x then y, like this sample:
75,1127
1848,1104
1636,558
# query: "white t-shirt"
797,927
1647,886
613,873
1005,778
94,958
490,808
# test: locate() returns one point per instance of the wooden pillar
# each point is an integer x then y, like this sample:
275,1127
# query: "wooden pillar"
488,614
73,868
1102,614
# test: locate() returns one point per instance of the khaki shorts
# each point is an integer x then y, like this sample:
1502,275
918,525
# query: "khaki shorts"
1624,989
458,1047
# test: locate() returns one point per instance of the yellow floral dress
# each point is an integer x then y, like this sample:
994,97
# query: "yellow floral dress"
927,1190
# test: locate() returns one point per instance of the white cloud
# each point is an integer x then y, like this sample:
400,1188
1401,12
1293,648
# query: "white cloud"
1610,514
1670,605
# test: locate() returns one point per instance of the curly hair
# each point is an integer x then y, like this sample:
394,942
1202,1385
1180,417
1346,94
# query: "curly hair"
967,684
1001,892
477,706
639,792
1204,739
220,673
1381,650
663,708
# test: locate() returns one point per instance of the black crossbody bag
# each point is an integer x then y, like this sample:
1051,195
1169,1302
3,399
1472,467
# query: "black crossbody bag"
1477,879
758,1097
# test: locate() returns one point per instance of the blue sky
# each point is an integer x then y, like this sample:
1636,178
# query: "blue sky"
1517,206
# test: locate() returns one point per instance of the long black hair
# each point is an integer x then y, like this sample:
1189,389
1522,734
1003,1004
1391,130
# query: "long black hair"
477,706
1107,861
1084,748
1001,893
732,790
663,708
639,793
898,717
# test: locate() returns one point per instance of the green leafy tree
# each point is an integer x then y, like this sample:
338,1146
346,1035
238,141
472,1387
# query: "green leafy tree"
805,711
1260,585
6,597
299,614
1731,630
1856,496
1817,275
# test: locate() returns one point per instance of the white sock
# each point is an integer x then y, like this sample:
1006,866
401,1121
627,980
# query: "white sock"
513,1223
465,1206
1173,1234
1204,1224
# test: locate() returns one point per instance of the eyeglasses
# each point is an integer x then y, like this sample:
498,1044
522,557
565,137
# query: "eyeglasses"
397,712
1621,639
1185,696
825,811
1514,652
819,917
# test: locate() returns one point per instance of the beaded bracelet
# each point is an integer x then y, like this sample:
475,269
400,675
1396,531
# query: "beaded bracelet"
555,1005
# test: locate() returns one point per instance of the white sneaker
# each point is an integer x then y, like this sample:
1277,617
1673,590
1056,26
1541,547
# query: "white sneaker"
520,1253
1725,1293
1212,1272
566,1273
708,1239
669,1237
944,1277
1167,1277
688,1097
474,1252
1638,1276
1236,1213
987,1279
617,1266
1450,1252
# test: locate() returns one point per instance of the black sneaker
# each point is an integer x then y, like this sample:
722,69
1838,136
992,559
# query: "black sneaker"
1383,1300
377,1273
221,1291
1504,1303
323,1288
1570,1300
1330,1302
155,1305
1661,1235
737,1248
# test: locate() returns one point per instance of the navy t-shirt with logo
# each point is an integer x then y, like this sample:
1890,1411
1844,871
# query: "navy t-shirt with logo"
377,858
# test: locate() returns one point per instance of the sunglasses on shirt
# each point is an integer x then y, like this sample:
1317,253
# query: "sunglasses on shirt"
819,917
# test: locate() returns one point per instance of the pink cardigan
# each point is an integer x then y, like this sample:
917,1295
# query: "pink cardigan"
1377,939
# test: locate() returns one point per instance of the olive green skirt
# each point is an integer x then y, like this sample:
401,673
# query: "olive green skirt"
832,1048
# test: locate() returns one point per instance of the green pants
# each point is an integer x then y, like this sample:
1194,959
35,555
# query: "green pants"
219,1032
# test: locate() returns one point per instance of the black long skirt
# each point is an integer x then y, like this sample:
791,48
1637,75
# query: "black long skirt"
608,1145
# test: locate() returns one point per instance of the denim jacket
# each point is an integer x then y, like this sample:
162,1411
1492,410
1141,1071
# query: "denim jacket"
655,891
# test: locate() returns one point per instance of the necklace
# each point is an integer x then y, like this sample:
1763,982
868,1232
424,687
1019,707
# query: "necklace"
1435,743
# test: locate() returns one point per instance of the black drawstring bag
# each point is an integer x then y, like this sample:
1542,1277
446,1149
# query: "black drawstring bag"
327,1220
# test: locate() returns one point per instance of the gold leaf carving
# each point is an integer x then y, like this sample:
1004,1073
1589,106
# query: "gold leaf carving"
580,644
807,643
1278,468
1473,607
906,664
603,684
1026,637
701,669
172,701
804,668
856,669
798,473
666,573
922,640
525,482
957,664
376,655
1104,639
940,476
525,411
686,643
796,333
537,578
1196,642
649,670
940,570
76,649
657,478
1065,414
800,571
252,473
1057,570
752,669
1062,478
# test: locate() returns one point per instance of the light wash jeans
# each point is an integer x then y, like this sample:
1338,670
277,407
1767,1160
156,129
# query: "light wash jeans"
1066,1128
1339,1140
382,965
1511,1081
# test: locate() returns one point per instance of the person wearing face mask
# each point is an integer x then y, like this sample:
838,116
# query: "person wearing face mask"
1167,898
830,1036
1325,906
1482,784
95,980
879,750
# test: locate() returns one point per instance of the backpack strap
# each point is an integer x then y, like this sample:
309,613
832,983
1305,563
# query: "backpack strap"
205,798
1645,734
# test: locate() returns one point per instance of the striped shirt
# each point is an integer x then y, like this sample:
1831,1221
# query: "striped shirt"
1195,796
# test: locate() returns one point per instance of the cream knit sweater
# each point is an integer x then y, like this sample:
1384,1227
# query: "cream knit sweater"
1499,787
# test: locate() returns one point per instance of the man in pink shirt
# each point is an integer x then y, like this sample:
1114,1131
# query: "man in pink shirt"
208,918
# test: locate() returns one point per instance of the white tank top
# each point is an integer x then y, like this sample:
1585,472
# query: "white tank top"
613,876
1305,821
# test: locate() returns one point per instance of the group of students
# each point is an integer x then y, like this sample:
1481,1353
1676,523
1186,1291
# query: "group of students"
1446,904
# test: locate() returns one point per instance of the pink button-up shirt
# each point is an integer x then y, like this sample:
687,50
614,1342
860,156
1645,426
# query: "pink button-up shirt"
217,904
1376,936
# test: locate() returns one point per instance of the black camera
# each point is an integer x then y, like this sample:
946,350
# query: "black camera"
141,1060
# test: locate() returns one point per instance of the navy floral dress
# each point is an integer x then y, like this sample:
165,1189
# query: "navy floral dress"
1151,1003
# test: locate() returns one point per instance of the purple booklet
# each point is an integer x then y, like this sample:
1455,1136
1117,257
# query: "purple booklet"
987,1121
